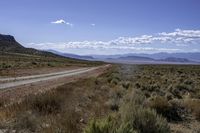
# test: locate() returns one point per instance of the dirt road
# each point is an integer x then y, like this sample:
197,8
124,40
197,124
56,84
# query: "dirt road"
13,82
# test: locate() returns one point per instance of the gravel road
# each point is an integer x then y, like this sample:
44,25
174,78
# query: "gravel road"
13,82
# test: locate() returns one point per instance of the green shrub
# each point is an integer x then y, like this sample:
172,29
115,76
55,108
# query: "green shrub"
142,120
161,105
107,125
115,98
132,118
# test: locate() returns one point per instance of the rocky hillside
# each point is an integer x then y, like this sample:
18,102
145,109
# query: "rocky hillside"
8,44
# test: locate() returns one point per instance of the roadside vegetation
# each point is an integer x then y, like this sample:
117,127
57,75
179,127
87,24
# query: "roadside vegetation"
125,99
11,63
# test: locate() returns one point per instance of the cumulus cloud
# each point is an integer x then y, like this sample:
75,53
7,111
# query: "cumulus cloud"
97,45
161,42
178,37
182,37
61,21
93,24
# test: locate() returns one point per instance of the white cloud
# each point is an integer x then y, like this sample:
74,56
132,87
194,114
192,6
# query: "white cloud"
61,21
178,37
182,33
181,37
93,24
176,41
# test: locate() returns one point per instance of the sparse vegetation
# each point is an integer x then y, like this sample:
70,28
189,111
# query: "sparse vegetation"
11,63
125,99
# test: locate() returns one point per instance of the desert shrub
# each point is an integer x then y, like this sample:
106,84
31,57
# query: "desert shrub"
135,97
188,82
176,92
34,63
161,105
181,89
132,118
197,113
107,125
194,106
64,123
142,120
26,121
168,96
50,64
135,117
48,103
115,97
126,85
137,85
114,81
150,88
114,78
114,104
197,94
5,65
3,101
184,87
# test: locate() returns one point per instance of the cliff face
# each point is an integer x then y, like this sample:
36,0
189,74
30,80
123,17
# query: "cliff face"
8,38
8,44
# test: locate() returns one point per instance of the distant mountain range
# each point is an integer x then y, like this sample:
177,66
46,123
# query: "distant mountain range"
8,44
190,56
157,58
174,58
71,55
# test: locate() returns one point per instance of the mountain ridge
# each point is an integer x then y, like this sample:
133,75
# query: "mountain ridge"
8,44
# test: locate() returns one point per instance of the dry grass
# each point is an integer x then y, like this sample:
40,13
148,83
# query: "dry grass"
194,106
125,99
64,109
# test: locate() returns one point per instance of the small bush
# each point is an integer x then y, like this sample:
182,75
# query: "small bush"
45,103
115,98
161,105
126,85
34,63
142,120
194,106
3,102
132,118
107,125
67,122
136,98
114,104
26,121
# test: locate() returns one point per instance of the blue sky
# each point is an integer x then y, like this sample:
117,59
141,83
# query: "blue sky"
104,26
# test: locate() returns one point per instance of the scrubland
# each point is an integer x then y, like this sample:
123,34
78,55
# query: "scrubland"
125,99
16,64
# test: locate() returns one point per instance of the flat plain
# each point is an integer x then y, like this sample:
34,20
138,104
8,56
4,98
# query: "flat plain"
139,98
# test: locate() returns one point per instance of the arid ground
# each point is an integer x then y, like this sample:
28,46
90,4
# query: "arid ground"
122,98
